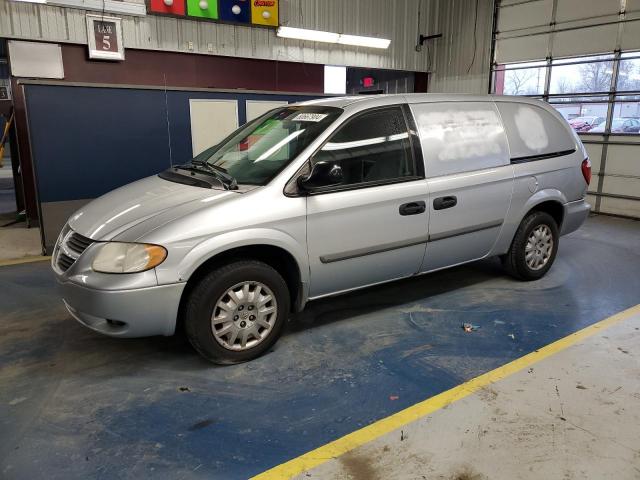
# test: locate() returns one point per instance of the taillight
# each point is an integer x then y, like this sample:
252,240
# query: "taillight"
586,170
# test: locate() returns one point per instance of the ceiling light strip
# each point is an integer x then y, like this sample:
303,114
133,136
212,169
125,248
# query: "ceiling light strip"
330,37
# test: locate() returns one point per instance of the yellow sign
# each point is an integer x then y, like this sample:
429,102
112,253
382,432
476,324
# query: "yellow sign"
264,12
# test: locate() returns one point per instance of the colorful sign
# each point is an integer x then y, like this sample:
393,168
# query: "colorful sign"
203,8
243,12
171,7
236,11
264,12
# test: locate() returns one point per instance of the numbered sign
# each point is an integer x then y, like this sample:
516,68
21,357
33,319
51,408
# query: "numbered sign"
104,36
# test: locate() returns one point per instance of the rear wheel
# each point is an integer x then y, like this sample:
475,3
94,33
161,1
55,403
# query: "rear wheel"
534,247
237,312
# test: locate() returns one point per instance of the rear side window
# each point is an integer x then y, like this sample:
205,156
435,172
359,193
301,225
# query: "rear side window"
373,147
460,137
531,131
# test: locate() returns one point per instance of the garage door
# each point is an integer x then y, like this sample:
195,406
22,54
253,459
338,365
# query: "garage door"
582,56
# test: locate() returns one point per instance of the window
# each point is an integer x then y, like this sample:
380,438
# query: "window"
532,131
520,79
626,116
629,72
581,75
460,136
583,113
373,147
256,152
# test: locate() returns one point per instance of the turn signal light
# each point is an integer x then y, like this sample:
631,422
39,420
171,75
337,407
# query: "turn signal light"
586,170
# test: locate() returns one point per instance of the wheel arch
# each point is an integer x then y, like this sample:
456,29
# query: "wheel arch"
552,207
551,201
276,256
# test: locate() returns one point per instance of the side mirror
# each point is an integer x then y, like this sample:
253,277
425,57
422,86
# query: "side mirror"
323,174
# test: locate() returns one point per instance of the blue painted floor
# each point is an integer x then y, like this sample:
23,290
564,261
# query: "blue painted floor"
74,404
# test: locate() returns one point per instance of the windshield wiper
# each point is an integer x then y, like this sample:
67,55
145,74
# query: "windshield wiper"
228,181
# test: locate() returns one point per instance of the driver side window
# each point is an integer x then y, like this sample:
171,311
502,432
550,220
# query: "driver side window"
373,147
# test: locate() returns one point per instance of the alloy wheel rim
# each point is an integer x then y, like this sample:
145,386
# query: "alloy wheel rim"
539,247
244,315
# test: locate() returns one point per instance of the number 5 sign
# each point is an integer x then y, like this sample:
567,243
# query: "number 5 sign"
105,37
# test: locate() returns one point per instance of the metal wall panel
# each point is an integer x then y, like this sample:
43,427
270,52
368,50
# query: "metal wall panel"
455,69
520,49
396,20
578,9
585,41
631,35
449,58
525,15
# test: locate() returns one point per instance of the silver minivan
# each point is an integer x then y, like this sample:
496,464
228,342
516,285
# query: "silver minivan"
320,198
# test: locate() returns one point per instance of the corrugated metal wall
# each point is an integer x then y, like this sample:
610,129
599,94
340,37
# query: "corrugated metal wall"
450,58
395,19
466,26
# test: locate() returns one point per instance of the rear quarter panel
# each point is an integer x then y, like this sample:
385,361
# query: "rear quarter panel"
552,179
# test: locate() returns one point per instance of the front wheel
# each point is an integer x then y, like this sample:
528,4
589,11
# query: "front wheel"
236,312
534,247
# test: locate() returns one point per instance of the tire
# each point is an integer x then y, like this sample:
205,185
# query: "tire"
515,261
205,315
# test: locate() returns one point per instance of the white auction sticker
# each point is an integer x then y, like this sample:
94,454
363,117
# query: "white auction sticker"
309,117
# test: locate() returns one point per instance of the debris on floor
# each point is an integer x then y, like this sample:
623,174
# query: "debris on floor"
468,327
511,336
393,397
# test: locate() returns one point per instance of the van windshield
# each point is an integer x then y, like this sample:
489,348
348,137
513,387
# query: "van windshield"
259,150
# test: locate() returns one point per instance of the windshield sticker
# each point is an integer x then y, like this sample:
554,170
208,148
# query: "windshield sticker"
309,117
266,126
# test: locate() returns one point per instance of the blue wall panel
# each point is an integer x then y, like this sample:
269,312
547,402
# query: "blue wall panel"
87,141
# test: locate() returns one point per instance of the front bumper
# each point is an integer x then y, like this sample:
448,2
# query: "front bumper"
575,213
139,312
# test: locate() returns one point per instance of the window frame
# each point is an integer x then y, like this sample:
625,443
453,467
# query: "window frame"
611,97
414,147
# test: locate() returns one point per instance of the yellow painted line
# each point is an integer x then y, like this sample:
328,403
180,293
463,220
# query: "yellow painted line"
18,261
411,414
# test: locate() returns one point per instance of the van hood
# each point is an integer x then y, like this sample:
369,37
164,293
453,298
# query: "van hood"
112,214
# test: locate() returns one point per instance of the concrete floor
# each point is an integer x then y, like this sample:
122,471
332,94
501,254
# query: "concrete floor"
74,404
7,192
16,240
575,415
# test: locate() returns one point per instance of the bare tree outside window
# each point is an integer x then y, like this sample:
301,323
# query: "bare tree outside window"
523,81
595,77
564,85
629,75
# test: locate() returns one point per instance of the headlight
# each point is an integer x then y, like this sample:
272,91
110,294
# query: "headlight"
115,257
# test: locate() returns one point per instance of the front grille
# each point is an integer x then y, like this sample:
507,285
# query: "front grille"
64,261
69,248
77,243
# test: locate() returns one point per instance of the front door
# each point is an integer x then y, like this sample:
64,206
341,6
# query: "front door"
372,227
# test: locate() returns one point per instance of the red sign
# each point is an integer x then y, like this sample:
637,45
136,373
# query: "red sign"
368,82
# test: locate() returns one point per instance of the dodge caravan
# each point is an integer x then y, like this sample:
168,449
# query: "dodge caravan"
320,198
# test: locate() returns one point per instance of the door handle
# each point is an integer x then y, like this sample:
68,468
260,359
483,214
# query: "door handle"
441,203
413,208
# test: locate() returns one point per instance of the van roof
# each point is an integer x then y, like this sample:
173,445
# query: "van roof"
364,101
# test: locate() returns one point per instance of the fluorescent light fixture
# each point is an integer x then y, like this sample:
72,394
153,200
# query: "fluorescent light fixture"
310,35
364,41
329,37
31,1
